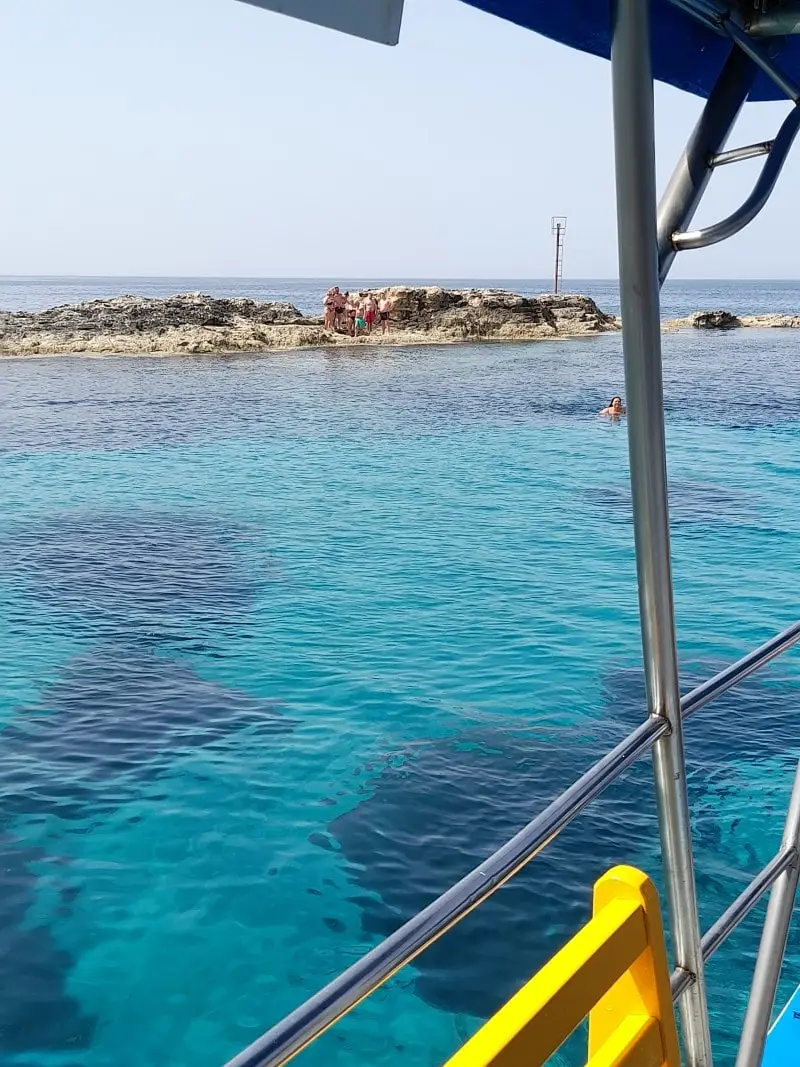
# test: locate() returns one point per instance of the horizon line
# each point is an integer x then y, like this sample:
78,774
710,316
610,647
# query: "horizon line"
362,277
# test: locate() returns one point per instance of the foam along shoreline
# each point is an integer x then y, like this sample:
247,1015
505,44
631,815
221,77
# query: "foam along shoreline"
196,323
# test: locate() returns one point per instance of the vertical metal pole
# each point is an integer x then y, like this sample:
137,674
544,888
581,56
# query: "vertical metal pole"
558,252
691,176
634,145
773,945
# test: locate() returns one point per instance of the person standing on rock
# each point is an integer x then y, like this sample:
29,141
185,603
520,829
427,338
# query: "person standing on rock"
350,313
338,308
360,321
384,308
328,305
370,311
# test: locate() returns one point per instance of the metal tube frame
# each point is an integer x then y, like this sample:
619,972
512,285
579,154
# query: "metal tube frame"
778,23
646,254
691,176
738,671
704,153
711,22
746,901
634,151
773,944
735,914
737,155
761,57
321,1011
761,193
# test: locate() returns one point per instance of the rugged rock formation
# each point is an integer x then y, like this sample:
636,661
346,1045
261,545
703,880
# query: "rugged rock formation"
189,321
768,322
192,322
133,314
483,314
715,320
726,320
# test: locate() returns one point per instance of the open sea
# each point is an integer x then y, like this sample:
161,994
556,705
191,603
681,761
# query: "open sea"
292,642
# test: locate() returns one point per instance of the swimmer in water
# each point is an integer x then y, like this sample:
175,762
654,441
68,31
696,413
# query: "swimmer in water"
615,408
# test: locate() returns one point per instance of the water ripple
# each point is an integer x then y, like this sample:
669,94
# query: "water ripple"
290,643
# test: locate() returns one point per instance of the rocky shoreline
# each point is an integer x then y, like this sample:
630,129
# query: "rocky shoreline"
726,320
196,323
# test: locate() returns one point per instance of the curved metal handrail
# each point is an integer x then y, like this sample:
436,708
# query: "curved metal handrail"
779,22
735,913
736,155
762,57
335,1000
738,671
326,1007
661,731
720,231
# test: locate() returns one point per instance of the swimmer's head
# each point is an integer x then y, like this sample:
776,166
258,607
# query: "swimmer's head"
615,403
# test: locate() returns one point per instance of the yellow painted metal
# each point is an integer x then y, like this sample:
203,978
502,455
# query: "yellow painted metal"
532,1025
607,971
642,989
635,1043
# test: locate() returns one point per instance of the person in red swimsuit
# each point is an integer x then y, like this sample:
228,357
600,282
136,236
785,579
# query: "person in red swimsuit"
370,311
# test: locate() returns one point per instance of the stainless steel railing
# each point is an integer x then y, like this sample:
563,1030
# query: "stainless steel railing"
647,247
773,942
326,1007
738,671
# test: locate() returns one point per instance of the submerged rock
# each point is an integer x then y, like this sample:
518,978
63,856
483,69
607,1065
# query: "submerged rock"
194,322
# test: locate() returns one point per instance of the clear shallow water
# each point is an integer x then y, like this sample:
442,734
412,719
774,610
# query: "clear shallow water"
292,642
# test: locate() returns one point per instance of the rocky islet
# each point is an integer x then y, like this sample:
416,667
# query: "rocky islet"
194,322
197,323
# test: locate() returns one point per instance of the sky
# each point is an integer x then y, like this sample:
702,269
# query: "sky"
212,138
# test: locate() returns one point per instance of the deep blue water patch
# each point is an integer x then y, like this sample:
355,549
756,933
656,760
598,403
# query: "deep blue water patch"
692,505
764,709
431,820
450,572
36,1011
134,585
113,719
149,574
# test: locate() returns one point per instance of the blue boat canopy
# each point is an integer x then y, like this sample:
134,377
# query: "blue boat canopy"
687,53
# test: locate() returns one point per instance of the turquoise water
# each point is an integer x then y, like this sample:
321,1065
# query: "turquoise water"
292,642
